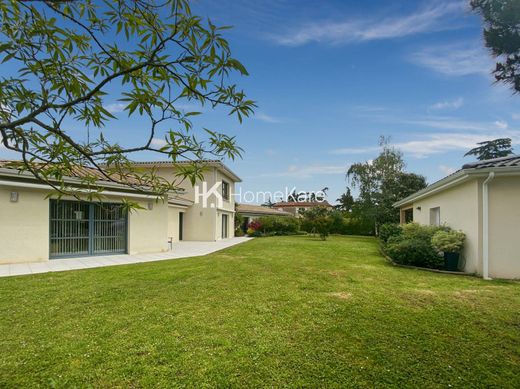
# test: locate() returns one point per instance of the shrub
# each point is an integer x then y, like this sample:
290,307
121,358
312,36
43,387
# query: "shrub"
318,220
253,233
387,230
322,225
340,223
448,241
279,225
254,225
414,246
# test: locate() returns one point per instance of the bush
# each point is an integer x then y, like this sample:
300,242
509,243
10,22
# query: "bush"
387,230
254,225
279,225
253,233
318,220
414,246
340,223
448,241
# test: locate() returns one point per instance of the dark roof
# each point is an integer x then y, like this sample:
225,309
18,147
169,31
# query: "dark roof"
510,160
302,204
473,169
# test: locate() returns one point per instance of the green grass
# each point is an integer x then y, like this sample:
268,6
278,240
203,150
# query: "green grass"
271,312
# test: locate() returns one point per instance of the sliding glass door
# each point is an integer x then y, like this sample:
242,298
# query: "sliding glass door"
81,228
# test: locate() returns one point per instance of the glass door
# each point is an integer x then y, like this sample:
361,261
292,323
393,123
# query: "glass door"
81,228
224,226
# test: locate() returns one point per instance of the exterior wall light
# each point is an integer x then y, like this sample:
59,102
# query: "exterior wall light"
418,208
150,205
14,197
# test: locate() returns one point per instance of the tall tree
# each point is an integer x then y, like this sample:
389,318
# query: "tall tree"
382,182
492,149
345,201
502,37
61,59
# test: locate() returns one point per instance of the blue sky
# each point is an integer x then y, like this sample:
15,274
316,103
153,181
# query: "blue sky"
330,77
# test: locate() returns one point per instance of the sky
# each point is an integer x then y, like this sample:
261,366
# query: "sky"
331,77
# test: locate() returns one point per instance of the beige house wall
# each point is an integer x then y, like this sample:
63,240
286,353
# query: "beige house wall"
24,226
504,227
460,209
148,229
173,222
201,223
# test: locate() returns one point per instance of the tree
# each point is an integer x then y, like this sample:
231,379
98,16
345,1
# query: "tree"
346,200
502,37
61,59
381,183
402,185
317,220
492,149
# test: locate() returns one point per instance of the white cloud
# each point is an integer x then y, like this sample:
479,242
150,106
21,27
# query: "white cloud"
308,171
455,59
447,123
266,118
436,17
158,143
448,104
502,124
437,143
515,116
115,107
447,170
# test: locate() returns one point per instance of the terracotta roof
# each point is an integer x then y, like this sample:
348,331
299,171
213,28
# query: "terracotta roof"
210,162
257,209
81,172
509,161
302,204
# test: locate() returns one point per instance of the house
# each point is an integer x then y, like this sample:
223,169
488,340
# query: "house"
36,226
295,208
250,212
483,200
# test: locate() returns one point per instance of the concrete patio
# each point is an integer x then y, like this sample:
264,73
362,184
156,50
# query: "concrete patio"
180,250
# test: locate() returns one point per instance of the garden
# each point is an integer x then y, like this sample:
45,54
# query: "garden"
276,311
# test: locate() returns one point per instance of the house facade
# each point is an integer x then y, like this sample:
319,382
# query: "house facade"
296,208
36,226
483,200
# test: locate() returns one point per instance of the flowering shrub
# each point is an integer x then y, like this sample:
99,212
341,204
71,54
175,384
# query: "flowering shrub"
254,225
448,241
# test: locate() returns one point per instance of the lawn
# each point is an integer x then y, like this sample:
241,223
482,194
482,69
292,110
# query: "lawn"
291,311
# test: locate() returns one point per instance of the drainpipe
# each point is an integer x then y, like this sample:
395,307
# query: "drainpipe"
485,226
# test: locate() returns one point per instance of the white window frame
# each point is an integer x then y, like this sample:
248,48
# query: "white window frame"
435,216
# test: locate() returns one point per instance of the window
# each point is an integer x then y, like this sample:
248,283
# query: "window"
407,215
225,190
435,216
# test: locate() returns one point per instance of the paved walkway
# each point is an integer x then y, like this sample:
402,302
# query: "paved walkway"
180,250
